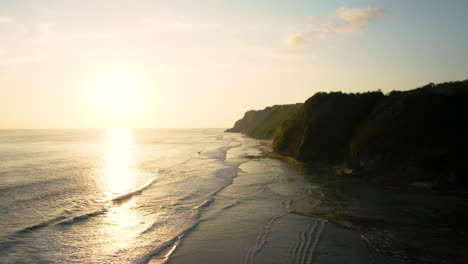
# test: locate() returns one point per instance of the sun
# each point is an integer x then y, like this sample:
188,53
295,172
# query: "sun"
119,97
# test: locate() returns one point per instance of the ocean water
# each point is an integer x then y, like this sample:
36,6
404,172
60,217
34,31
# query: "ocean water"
123,196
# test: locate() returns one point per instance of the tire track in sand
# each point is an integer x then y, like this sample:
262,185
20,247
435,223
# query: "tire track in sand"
304,248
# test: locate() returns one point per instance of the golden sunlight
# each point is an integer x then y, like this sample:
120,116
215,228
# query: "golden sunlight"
119,97
118,172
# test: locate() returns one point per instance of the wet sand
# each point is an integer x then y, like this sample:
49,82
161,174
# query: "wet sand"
250,221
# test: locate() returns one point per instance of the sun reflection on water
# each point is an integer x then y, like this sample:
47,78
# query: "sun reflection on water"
118,160
119,228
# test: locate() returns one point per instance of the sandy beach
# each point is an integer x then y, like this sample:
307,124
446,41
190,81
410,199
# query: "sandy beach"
250,221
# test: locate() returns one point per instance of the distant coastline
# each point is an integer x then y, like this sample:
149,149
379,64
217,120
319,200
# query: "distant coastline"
416,137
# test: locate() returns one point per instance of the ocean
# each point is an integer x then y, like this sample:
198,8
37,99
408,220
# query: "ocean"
129,196
202,196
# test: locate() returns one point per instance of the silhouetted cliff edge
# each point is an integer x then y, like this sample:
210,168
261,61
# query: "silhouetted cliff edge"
418,136
264,124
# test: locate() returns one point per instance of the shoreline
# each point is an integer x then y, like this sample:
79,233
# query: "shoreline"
278,210
445,219
379,182
254,223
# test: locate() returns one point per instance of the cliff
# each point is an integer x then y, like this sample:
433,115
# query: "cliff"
419,136
411,136
264,124
322,129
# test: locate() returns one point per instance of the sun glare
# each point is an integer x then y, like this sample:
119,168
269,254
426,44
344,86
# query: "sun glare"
118,173
119,97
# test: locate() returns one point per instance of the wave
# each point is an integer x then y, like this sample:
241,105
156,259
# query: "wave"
84,216
62,220
129,194
9,240
211,198
152,227
205,203
59,220
175,245
40,225
231,205
167,247
165,251
219,153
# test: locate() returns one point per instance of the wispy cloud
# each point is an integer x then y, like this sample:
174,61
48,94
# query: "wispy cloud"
344,20
351,20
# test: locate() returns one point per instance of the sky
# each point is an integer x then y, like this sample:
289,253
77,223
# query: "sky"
189,64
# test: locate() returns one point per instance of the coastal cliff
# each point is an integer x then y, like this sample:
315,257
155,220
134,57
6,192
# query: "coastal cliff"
417,136
264,124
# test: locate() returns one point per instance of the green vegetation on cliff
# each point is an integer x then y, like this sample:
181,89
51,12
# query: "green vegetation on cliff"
413,136
264,124
423,131
323,127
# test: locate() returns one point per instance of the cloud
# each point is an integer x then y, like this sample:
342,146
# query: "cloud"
296,40
343,20
351,20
